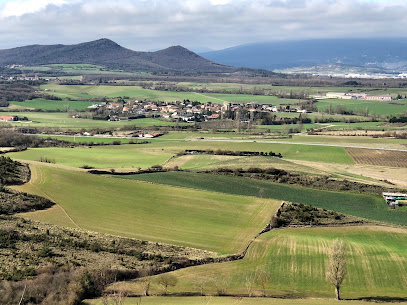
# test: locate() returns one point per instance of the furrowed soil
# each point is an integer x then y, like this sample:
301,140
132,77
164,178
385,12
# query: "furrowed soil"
378,157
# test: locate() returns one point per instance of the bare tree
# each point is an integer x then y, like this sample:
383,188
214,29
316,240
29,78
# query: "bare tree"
145,284
166,280
145,280
200,284
249,282
221,284
336,267
262,279
105,299
118,298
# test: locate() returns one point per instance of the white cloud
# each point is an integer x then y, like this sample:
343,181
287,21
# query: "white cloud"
143,25
22,7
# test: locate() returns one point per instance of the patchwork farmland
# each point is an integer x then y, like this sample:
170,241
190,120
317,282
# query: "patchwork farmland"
157,196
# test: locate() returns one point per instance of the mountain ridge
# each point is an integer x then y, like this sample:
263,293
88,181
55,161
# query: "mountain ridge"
108,53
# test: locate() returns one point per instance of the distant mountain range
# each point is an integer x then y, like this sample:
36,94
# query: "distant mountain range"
374,54
111,55
386,53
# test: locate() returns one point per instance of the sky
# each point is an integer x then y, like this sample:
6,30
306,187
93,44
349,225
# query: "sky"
143,25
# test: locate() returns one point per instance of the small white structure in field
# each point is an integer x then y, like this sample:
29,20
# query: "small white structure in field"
392,199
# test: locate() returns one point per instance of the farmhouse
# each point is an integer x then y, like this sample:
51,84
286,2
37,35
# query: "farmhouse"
7,118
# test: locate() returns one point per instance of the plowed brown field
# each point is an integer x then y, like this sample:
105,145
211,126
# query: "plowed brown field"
378,157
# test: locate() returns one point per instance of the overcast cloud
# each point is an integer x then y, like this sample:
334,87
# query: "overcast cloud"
152,24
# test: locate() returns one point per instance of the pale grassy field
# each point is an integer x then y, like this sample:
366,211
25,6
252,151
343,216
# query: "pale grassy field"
200,219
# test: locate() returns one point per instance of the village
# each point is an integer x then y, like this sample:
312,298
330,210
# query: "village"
185,111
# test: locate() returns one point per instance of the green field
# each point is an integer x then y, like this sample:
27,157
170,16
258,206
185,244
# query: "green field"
100,157
300,138
211,162
364,125
137,92
344,140
200,219
121,156
93,139
295,89
289,151
359,106
229,301
361,205
206,135
52,104
295,260
64,121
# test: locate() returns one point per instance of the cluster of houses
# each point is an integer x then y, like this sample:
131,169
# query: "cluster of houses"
358,96
185,110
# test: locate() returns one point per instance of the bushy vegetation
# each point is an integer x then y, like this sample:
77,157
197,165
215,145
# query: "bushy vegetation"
298,214
64,266
12,172
229,153
12,202
400,119
11,138
20,91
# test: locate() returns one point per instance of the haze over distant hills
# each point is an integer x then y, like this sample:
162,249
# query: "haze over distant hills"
382,53
109,54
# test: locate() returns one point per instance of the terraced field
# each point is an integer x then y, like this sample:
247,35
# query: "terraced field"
295,260
200,219
378,157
